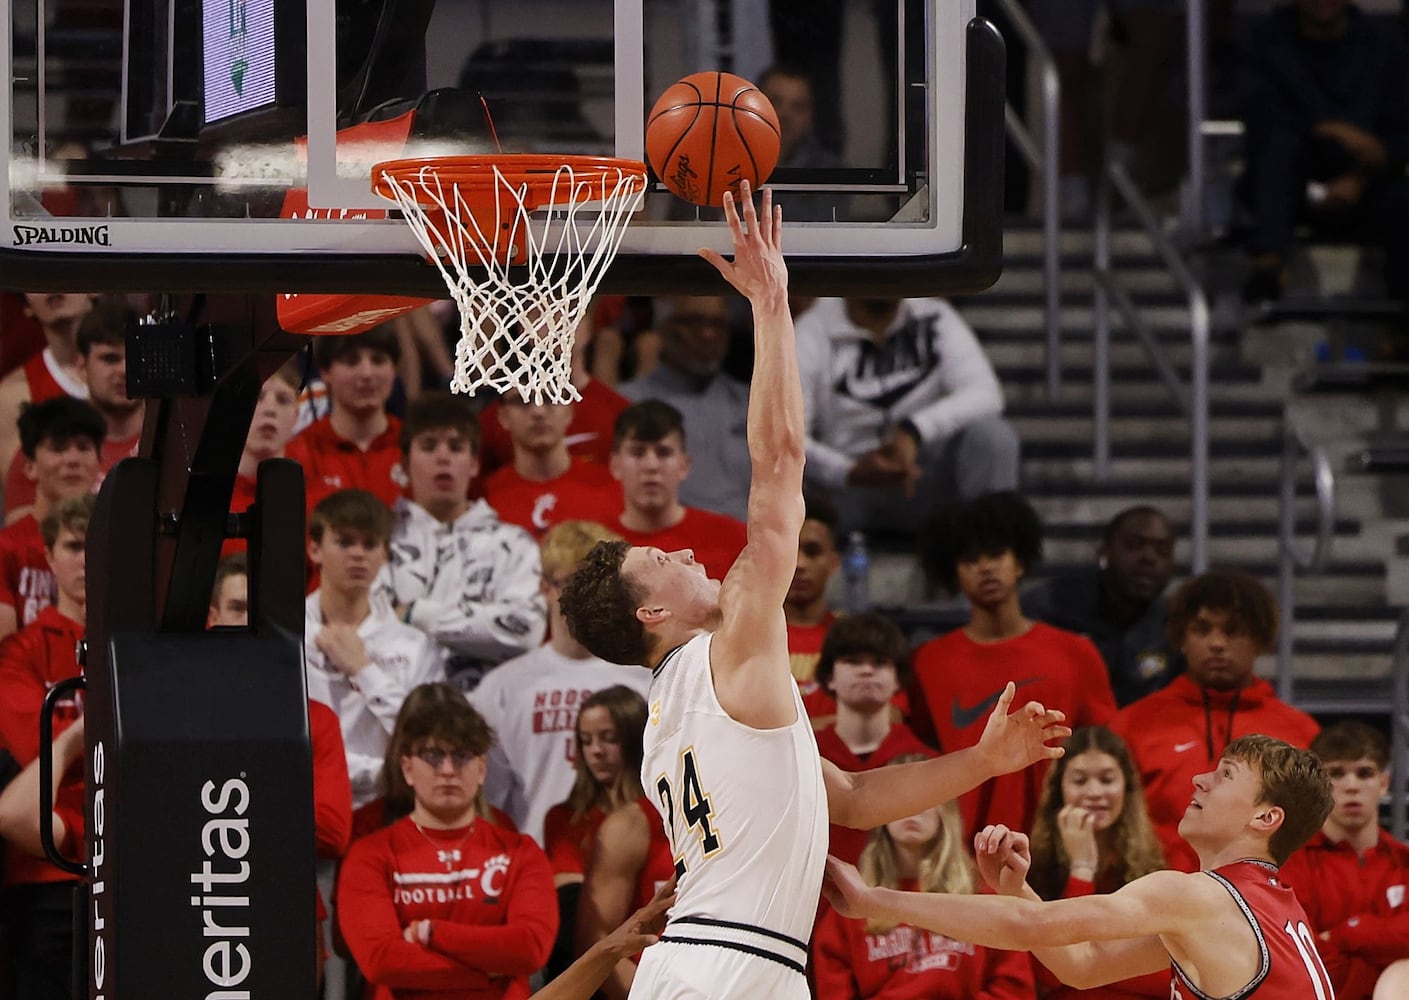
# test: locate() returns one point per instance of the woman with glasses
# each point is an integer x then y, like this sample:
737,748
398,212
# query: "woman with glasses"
442,902
872,960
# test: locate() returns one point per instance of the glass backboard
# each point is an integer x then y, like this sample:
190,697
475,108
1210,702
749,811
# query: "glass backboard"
199,145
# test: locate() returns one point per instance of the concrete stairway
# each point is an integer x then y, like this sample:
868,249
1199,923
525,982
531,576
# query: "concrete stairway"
1344,617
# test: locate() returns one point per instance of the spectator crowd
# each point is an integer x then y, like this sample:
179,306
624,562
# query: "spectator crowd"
480,813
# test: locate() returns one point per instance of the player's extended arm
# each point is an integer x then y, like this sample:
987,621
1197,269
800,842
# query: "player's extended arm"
583,978
751,675
623,842
865,800
1158,903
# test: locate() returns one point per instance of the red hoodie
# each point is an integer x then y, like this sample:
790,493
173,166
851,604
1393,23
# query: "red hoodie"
1181,731
33,660
845,842
908,963
1360,901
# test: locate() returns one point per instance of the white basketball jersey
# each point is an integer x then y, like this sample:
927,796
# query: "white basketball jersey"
746,813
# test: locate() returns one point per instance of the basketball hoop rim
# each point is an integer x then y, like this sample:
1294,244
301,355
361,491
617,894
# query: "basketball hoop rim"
538,172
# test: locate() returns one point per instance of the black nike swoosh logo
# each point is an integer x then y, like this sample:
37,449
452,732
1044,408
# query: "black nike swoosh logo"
963,717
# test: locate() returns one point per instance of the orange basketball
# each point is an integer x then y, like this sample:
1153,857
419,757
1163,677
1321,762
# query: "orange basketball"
710,132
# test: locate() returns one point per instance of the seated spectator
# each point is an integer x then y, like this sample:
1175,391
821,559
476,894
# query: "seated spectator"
589,432
790,91
860,959
1119,603
332,791
903,410
607,765
359,658
38,898
102,363
650,460
532,700
21,821
714,406
60,440
356,446
51,373
865,664
1221,622
546,484
805,606
443,903
458,573
1093,834
627,863
982,549
1324,91
271,429
1351,876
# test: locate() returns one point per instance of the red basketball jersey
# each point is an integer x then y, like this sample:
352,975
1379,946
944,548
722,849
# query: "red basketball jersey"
1291,967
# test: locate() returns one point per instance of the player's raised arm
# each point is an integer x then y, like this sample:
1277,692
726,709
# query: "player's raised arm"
752,631
864,800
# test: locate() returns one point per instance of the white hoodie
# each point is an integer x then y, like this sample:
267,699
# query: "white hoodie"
402,658
929,370
471,585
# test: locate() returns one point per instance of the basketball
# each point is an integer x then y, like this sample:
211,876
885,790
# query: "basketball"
710,132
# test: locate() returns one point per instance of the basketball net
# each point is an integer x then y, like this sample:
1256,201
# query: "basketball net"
522,243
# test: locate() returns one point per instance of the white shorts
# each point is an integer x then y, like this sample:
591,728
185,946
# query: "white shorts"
673,971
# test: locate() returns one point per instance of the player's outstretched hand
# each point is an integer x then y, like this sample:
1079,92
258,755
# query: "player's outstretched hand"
642,928
1012,742
845,889
1003,857
757,270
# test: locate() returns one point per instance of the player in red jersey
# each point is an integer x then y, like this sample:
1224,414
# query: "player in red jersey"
1227,930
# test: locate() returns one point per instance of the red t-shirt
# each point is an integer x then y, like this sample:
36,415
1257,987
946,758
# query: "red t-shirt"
1291,970
1360,901
958,681
586,491
21,336
845,842
1181,731
26,582
909,963
41,381
33,660
589,435
569,841
488,892
332,789
331,463
19,488
716,539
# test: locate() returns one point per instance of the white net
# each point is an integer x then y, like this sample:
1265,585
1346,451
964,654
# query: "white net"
522,276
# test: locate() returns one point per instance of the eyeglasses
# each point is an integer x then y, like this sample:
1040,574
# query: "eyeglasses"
434,758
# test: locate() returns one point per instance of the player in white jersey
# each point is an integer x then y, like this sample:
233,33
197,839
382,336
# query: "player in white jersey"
730,757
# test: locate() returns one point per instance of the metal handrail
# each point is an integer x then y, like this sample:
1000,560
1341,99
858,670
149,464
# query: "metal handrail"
1193,401
1195,208
1043,161
1399,726
1290,556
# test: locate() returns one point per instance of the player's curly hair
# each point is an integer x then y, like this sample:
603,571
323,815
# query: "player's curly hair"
599,603
986,525
1135,847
